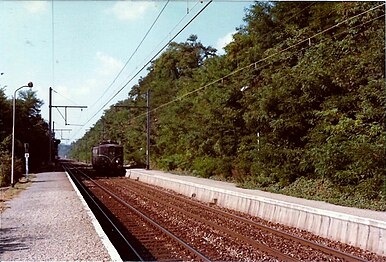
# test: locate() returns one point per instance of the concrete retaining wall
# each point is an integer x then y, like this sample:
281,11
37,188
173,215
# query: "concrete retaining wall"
357,231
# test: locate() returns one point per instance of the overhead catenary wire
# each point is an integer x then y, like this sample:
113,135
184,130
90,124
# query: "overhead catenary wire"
135,51
166,37
156,47
70,100
146,64
266,58
194,7
307,39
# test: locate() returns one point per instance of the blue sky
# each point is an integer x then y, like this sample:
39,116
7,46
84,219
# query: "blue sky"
80,47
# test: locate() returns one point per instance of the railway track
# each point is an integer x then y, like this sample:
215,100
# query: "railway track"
143,238
112,228
166,226
245,230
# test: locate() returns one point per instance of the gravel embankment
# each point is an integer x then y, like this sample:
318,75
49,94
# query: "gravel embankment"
48,222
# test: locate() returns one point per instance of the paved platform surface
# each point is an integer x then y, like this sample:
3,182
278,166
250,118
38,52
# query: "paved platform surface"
49,221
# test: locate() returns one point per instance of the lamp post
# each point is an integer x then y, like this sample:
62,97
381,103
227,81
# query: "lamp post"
30,85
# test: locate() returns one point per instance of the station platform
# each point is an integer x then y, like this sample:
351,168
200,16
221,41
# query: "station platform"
50,221
357,227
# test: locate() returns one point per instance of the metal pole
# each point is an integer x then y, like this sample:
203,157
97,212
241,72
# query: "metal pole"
13,130
13,136
49,127
148,132
26,166
52,140
65,115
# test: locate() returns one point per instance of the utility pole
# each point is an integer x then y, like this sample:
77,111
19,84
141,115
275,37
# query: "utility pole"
30,85
49,127
147,126
148,132
50,106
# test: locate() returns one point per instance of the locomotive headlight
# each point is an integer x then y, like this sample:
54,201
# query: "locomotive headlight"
117,161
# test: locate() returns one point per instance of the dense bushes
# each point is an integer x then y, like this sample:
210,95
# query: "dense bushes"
29,128
296,105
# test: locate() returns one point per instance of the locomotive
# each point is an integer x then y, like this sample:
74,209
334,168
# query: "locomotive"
107,158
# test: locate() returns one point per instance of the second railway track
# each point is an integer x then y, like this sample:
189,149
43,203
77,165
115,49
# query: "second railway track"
181,228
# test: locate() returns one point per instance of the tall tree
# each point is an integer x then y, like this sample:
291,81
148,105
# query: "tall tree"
298,95
29,128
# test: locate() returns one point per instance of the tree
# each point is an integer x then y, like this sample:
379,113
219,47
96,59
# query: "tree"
298,96
29,128
318,107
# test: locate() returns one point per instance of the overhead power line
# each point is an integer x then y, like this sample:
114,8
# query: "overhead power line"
72,101
135,51
146,64
167,36
254,64
156,47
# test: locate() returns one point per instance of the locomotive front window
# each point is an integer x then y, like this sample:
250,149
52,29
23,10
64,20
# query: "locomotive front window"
112,151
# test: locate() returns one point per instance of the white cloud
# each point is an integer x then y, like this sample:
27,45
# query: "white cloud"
108,64
86,91
127,10
224,41
36,6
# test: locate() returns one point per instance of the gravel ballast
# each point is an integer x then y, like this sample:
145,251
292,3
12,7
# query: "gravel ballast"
48,221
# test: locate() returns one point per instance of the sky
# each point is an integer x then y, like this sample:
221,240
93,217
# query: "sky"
79,47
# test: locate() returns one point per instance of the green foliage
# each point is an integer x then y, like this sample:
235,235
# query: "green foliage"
29,128
210,167
347,152
297,101
366,195
172,162
5,163
6,170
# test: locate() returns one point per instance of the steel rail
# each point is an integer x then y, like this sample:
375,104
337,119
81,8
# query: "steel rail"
67,168
305,242
260,246
148,219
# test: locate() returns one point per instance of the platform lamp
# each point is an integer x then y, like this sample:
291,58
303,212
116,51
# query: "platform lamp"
30,85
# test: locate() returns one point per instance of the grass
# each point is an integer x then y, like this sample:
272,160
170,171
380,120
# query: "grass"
9,193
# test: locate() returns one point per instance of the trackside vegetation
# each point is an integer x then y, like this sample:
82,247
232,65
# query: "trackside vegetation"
296,105
30,128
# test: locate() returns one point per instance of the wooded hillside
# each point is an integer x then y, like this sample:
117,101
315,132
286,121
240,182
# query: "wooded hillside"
296,105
